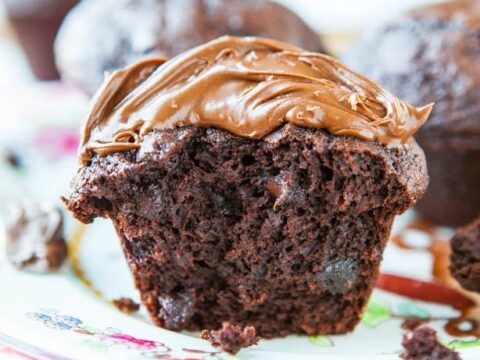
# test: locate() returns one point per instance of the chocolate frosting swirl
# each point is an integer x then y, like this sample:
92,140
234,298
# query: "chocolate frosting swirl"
249,87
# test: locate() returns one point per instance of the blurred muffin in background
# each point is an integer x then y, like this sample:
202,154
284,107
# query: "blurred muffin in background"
465,257
36,23
433,54
100,36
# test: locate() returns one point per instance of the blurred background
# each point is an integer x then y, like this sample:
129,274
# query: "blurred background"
341,18
40,120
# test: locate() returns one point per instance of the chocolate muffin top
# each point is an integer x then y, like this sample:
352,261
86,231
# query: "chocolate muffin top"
249,87
100,36
431,54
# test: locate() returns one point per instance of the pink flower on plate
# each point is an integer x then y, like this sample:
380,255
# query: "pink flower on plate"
134,342
56,142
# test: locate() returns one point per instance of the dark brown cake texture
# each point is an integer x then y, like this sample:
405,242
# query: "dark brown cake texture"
36,23
465,258
422,344
35,240
433,55
118,34
197,224
282,231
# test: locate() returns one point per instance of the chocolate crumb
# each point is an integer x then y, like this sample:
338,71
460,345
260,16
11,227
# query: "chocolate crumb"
423,344
231,338
126,305
35,240
412,323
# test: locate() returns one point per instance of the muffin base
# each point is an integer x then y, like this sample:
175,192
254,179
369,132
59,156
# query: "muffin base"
284,234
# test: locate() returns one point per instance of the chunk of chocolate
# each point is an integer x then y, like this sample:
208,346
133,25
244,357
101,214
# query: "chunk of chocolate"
35,238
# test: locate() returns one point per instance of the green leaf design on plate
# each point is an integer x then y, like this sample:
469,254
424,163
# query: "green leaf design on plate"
413,310
377,312
90,330
463,344
320,340
96,345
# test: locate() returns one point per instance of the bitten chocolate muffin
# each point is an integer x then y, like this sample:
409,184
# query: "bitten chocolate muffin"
433,55
465,258
120,32
250,182
36,23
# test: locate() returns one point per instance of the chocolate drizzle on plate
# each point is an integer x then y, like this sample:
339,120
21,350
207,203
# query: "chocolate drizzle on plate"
445,289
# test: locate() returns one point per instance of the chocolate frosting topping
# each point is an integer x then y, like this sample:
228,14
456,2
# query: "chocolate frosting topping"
249,87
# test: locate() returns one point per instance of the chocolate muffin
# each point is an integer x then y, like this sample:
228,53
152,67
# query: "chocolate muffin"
433,55
250,182
120,32
465,258
36,23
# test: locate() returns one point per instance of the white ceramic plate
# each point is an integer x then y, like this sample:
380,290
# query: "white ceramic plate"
58,317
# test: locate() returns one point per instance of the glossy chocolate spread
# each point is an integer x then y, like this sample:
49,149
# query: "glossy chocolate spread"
249,87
